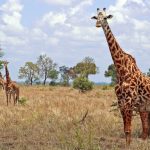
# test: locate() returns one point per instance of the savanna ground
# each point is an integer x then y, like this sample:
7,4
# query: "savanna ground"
61,118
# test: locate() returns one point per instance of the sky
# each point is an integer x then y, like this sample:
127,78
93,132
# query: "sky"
63,30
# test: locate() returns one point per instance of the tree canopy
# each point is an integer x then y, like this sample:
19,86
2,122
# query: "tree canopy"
86,67
53,75
30,72
111,72
46,66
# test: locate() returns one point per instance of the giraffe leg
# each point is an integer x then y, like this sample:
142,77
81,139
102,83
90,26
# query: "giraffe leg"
7,98
145,126
127,118
14,98
17,96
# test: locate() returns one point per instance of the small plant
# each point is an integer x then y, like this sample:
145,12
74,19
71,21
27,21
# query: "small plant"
22,101
105,87
83,84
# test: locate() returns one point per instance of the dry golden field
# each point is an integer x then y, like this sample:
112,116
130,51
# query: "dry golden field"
60,118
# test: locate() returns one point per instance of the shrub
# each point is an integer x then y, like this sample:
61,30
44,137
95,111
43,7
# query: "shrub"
52,83
83,84
105,87
22,101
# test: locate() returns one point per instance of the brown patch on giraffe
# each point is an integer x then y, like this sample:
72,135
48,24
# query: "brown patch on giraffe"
117,47
109,39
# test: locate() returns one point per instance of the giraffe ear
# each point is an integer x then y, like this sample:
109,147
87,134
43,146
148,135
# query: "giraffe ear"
109,16
94,17
104,9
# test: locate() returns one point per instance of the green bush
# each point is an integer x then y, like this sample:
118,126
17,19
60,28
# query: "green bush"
22,101
105,87
83,84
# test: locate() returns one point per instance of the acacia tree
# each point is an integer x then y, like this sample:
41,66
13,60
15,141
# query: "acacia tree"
66,75
64,80
53,75
45,65
111,72
30,72
86,67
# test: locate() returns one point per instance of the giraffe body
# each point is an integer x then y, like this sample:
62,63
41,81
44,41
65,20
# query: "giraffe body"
133,88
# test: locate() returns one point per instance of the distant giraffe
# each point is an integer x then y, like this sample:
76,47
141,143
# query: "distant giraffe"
11,88
133,88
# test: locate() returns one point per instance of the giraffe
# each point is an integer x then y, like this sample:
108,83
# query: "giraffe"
11,88
133,87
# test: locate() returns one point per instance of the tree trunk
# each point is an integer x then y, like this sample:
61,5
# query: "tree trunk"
44,82
87,76
31,81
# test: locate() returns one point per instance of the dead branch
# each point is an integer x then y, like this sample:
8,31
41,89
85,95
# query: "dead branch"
84,117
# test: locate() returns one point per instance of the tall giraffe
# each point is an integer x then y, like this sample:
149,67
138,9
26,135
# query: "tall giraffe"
11,88
133,88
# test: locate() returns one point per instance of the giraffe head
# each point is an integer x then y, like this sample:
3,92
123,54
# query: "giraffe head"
101,17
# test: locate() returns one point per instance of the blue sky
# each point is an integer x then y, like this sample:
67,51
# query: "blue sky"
63,30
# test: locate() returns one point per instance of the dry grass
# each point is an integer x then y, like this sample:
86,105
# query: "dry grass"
53,119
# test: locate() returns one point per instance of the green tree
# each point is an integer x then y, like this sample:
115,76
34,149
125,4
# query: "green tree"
64,80
53,75
66,75
111,72
46,65
29,72
86,67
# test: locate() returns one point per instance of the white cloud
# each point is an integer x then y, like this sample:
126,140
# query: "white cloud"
70,24
11,15
141,25
140,2
52,41
53,19
38,34
131,16
11,6
80,6
58,2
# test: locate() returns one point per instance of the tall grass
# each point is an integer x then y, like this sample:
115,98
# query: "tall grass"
58,118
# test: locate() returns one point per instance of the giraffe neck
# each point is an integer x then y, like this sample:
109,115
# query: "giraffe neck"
8,80
124,63
115,49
